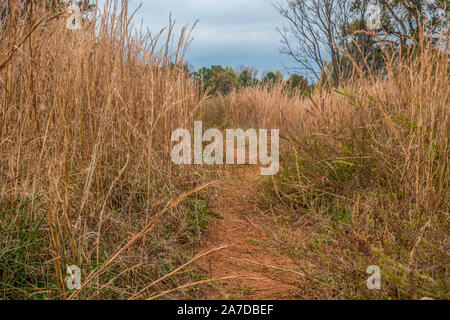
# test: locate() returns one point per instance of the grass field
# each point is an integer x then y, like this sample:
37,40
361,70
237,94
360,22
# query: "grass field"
86,176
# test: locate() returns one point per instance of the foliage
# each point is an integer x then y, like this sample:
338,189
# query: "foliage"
272,77
329,39
298,82
222,80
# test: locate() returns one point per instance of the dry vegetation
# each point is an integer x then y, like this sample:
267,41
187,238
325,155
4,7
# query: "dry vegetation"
367,166
85,170
86,177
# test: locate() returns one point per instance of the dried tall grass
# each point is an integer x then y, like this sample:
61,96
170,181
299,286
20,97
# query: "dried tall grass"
85,125
86,177
367,166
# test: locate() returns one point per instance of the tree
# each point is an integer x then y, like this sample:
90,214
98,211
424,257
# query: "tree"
217,79
298,82
313,34
327,37
405,19
224,81
273,77
248,76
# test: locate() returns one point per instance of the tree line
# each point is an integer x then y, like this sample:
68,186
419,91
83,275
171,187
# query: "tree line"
221,80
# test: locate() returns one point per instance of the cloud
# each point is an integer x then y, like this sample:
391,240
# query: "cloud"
230,32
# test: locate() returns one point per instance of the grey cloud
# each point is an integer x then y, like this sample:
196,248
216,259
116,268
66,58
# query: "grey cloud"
230,32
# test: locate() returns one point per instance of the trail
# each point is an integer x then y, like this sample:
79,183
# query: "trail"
264,272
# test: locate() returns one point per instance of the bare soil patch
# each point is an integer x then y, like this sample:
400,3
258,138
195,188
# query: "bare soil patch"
264,272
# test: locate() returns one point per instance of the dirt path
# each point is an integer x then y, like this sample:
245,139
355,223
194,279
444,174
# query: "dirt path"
264,272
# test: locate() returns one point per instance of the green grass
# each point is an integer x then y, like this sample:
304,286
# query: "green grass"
21,253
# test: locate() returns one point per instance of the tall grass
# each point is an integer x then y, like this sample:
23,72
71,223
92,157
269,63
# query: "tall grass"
366,166
86,177
85,125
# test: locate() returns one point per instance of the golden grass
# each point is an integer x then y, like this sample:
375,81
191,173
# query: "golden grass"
85,169
367,166
86,177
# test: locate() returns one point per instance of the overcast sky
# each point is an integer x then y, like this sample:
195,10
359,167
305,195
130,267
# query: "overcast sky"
230,32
